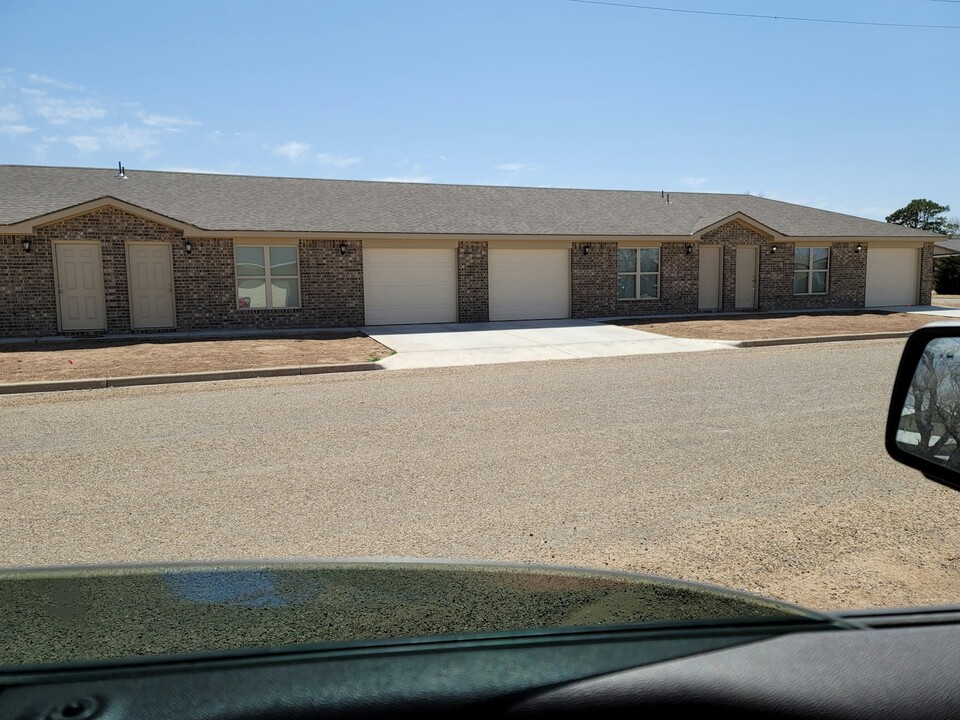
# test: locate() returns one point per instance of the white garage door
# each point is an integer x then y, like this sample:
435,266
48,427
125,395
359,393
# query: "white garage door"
529,284
409,285
892,276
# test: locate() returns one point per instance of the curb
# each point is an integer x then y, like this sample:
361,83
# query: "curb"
823,339
137,380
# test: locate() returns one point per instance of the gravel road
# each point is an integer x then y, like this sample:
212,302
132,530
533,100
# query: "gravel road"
759,469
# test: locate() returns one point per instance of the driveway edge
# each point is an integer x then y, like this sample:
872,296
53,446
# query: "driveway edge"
773,342
207,376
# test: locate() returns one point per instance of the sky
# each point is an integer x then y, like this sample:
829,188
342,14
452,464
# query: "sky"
554,93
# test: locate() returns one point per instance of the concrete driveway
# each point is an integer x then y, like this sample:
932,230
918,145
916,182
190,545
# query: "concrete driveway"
450,344
943,311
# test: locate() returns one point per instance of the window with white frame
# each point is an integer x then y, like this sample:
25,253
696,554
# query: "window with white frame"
638,273
810,269
268,276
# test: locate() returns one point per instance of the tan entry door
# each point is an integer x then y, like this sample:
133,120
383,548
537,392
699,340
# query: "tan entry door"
710,277
80,286
151,285
746,293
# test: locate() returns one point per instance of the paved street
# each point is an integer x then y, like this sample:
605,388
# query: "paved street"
759,469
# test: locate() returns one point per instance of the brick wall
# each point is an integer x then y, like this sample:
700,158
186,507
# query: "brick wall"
926,273
593,279
594,284
679,278
846,284
473,282
331,288
733,235
331,283
27,291
112,228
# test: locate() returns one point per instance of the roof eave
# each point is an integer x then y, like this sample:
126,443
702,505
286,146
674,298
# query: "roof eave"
28,226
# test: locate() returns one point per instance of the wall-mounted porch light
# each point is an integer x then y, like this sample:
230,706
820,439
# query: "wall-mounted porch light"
26,244
859,247
689,249
586,249
188,246
343,248
773,249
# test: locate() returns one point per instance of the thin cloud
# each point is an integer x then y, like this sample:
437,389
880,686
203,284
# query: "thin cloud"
46,80
200,171
85,144
165,121
9,113
405,179
695,181
60,112
517,167
6,78
16,130
292,150
124,137
338,161
121,138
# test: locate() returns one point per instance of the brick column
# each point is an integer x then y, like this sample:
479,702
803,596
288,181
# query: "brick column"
593,279
473,286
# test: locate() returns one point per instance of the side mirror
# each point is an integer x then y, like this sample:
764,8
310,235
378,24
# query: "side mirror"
923,425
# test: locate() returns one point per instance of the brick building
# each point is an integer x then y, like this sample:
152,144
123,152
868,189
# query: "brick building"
83,251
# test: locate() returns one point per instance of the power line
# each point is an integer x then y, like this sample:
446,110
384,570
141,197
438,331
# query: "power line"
767,17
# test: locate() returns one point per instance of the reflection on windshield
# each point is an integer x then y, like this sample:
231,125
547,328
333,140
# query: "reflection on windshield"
930,420
249,589
102,613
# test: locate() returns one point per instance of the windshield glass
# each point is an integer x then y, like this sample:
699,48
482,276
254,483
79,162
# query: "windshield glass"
552,283
60,616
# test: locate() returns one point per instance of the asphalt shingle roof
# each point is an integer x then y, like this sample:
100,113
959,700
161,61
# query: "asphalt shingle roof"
235,202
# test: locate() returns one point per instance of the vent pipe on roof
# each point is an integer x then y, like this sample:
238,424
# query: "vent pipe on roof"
121,172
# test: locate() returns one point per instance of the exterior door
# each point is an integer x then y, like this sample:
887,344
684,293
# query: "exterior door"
746,290
150,275
710,256
80,286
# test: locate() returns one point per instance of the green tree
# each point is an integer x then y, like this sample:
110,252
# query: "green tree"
946,275
928,215
923,215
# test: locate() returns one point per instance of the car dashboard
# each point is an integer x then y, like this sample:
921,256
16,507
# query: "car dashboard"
899,663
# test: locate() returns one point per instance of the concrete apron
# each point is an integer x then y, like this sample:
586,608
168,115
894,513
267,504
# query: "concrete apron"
941,311
450,344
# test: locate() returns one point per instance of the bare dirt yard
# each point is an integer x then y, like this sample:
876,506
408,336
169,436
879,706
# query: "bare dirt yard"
97,359
762,327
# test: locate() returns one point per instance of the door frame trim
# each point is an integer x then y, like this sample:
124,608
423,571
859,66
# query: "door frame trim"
56,283
756,272
173,286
